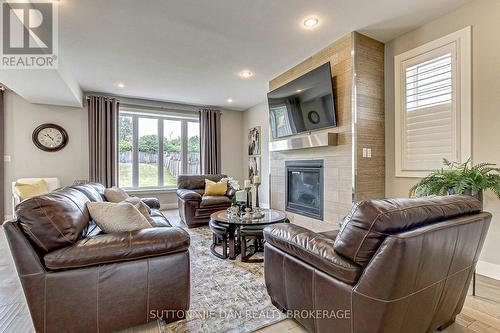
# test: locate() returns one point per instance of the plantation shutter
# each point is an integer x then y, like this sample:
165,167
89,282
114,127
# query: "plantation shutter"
430,121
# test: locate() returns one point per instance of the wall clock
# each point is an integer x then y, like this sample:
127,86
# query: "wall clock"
50,137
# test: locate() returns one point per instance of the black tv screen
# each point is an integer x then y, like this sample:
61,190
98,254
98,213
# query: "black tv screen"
306,104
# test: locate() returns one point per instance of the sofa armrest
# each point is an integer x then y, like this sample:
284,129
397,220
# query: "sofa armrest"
124,246
189,195
152,203
312,248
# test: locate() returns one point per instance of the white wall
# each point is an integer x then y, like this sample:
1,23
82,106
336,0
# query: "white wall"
21,118
483,16
258,115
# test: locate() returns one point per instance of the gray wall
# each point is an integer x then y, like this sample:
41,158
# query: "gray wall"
483,16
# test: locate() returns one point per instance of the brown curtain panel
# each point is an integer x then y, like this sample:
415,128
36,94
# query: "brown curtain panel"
210,130
2,173
103,139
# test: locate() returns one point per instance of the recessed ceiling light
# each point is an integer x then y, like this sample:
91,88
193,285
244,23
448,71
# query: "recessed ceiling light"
245,74
311,22
120,85
229,100
299,90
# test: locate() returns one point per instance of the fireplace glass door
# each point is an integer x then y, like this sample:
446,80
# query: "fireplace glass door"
304,188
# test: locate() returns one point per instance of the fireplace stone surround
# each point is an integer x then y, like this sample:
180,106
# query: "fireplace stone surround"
349,176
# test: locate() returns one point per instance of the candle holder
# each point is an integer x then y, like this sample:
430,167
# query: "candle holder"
248,189
248,206
257,211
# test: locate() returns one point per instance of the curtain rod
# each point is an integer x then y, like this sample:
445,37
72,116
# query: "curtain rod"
151,104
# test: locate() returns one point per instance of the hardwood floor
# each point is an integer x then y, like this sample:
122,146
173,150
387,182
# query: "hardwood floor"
480,313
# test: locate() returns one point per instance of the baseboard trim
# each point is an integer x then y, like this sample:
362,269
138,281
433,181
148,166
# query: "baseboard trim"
169,206
488,269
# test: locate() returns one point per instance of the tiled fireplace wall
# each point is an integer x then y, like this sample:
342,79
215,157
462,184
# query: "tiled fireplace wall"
357,66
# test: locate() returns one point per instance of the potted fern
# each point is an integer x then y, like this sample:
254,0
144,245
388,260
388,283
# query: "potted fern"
460,178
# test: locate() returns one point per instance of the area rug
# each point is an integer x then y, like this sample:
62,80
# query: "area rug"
226,295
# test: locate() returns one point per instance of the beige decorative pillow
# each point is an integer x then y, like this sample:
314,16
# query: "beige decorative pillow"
215,189
115,194
141,207
27,191
117,217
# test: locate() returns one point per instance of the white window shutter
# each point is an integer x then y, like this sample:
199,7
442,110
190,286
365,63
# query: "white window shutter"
431,116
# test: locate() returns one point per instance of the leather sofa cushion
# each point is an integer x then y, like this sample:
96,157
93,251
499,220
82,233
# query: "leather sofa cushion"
153,203
212,200
189,195
330,234
369,223
313,248
109,248
55,219
90,191
158,219
196,182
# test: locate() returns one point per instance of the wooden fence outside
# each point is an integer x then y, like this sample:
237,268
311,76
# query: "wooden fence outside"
171,161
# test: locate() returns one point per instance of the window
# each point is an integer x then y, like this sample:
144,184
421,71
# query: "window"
432,107
154,149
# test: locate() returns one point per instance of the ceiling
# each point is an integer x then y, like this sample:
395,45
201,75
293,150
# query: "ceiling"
191,51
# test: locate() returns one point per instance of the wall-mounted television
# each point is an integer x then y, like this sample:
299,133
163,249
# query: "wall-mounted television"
303,105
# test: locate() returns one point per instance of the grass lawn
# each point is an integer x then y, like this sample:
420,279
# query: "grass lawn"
148,175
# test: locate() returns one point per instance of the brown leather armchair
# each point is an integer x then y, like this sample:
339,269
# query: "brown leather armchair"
195,207
399,265
78,279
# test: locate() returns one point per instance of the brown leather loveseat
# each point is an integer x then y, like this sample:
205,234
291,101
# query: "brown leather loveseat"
195,207
399,265
78,279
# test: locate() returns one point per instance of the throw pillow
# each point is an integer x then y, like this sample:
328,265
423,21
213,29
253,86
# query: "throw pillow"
115,194
141,207
27,191
117,217
215,189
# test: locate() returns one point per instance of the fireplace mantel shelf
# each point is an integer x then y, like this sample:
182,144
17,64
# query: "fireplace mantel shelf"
311,140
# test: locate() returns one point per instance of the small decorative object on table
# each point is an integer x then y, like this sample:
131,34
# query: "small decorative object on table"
257,212
234,210
248,209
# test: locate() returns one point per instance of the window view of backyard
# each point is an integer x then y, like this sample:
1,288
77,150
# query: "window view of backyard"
149,162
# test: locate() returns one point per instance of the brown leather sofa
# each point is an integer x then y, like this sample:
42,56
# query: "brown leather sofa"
400,265
195,207
78,279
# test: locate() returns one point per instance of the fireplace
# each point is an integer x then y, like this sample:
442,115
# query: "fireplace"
304,188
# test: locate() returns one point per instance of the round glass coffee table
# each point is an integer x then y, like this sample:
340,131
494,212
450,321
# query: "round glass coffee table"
235,222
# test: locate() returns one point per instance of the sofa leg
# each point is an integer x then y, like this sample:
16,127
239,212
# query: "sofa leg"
446,325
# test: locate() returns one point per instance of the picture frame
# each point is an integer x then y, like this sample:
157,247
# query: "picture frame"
254,167
255,141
